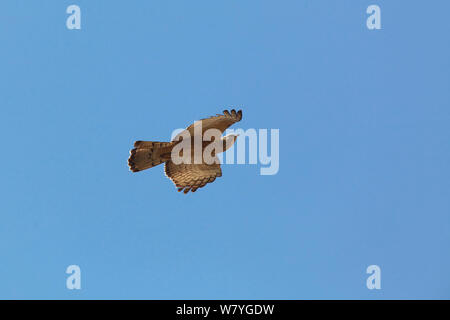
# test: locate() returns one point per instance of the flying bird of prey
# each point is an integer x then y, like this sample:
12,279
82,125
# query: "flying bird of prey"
186,176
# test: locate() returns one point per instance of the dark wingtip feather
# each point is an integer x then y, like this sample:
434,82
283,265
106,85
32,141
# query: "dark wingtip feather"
234,114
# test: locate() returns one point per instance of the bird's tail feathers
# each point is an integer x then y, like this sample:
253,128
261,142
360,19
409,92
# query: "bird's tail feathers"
147,154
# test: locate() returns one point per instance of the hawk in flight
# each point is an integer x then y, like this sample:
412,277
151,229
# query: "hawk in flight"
192,175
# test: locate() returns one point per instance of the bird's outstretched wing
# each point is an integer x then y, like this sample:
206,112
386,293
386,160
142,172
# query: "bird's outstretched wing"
190,177
219,121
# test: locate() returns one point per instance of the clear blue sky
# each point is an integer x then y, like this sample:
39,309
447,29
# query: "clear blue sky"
364,149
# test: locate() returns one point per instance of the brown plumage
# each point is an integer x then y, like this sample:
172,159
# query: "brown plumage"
147,154
186,177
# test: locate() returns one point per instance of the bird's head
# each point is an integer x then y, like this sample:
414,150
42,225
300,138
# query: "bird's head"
229,140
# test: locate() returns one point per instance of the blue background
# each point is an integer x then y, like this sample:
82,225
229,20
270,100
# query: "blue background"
364,149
